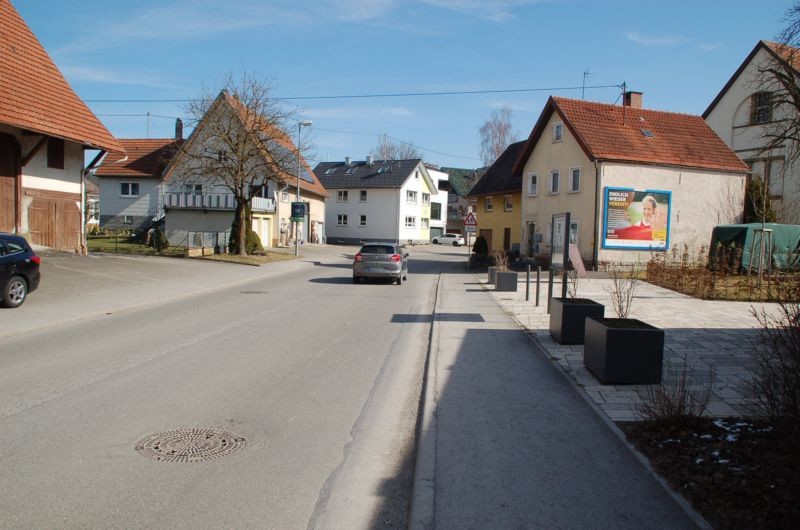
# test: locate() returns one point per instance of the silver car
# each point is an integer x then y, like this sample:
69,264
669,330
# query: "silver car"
381,260
456,240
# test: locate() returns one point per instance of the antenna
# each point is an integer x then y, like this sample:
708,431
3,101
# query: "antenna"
586,74
624,106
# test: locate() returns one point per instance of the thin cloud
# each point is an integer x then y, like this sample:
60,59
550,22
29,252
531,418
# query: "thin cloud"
359,10
492,10
99,75
654,40
708,47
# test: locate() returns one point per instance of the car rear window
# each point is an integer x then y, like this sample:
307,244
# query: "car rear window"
377,249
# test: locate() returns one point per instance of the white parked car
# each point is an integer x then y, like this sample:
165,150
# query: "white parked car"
449,239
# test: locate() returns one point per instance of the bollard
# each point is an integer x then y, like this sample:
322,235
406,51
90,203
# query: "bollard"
528,283
538,280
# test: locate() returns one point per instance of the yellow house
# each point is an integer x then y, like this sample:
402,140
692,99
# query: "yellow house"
499,202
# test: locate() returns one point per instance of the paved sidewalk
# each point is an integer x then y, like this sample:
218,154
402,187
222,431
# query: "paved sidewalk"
714,337
507,442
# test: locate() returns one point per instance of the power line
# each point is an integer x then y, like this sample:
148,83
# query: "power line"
367,96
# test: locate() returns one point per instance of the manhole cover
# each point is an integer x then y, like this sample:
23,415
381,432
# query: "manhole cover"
189,445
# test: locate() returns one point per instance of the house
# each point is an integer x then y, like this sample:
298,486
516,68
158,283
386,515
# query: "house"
744,111
458,205
498,196
199,209
377,200
634,180
441,180
130,190
44,130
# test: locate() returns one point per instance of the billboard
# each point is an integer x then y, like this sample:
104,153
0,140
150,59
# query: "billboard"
636,219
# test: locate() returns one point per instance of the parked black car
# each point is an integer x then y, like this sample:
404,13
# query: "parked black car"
19,270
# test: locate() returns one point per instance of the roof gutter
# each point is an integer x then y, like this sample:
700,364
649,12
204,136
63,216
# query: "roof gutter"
595,242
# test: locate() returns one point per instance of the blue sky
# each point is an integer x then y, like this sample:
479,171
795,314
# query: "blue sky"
679,53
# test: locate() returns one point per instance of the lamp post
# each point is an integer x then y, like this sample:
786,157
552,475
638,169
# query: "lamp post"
300,125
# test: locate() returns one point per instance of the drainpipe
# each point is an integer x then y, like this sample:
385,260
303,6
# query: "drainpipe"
596,242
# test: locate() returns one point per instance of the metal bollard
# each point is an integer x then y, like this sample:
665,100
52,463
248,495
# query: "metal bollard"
538,281
528,283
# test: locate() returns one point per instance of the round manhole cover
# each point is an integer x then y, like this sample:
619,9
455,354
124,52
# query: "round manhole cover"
189,445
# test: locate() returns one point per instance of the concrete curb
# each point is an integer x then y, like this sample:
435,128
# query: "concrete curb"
423,503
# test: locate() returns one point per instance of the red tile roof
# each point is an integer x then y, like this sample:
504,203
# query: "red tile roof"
617,133
143,158
790,54
33,93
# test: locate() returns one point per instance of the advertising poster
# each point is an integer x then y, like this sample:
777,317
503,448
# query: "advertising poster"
636,220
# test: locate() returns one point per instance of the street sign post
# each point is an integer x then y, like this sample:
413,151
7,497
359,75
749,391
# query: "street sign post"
470,223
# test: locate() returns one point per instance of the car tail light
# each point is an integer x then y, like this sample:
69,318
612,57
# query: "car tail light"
359,257
395,258
36,259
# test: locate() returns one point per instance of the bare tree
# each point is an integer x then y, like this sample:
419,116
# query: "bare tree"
395,150
240,142
496,135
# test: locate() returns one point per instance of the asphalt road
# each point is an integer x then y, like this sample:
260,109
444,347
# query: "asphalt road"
320,377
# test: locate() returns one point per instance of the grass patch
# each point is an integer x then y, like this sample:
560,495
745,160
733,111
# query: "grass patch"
269,257
124,245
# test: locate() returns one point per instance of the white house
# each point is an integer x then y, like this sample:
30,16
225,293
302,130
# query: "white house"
439,202
634,180
741,114
378,200
44,130
199,211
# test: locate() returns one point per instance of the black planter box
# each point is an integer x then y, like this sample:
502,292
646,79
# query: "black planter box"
567,317
492,272
505,281
623,351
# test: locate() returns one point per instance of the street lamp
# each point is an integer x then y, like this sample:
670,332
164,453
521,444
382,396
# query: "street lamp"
300,125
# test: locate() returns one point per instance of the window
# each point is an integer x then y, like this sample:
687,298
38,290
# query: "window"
331,170
761,107
341,219
284,196
351,170
558,132
487,204
411,222
363,196
554,182
573,232
411,196
533,185
426,198
775,177
436,211
196,189
363,221
426,223
508,203
55,153
574,179
341,195
129,189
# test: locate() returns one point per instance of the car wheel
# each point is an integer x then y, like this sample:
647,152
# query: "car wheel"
15,292
399,280
355,279
435,241
455,243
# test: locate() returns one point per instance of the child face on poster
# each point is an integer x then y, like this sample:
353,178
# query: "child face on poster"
653,215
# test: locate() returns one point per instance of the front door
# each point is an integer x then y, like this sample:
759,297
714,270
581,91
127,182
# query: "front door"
9,168
506,239
487,235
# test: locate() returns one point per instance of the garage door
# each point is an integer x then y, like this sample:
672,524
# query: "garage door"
436,231
8,181
55,223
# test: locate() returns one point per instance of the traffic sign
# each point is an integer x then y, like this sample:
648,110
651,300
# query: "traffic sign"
469,229
470,220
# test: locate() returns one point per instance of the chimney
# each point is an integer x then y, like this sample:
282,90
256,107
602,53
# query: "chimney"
633,99
178,129
369,160
348,161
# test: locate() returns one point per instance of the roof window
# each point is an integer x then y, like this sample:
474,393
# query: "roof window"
647,133
351,170
331,170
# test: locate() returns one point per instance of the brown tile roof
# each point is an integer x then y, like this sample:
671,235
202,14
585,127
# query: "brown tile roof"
282,138
33,93
499,178
790,54
617,133
143,158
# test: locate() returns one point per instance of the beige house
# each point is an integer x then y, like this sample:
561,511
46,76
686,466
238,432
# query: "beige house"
634,180
743,113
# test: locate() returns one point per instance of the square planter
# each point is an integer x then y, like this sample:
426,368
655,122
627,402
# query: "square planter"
568,316
505,281
623,351
492,272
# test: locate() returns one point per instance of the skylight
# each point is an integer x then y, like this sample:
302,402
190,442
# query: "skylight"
330,170
351,170
647,133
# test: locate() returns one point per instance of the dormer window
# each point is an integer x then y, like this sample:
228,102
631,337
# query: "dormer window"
558,132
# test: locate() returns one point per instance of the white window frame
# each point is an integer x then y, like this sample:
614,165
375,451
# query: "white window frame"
193,189
411,221
284,196
425,223
362,196
341,219
426,199
130,194
508,203
574,227
557,174
558,132
533,185
342,196
488,204
572,188
411,197
362,220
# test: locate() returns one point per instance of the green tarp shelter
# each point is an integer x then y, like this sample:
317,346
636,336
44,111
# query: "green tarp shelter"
785,242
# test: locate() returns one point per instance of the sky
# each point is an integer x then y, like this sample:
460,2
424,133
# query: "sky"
150,56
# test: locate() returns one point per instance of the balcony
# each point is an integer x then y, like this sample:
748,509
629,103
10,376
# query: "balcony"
214,201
